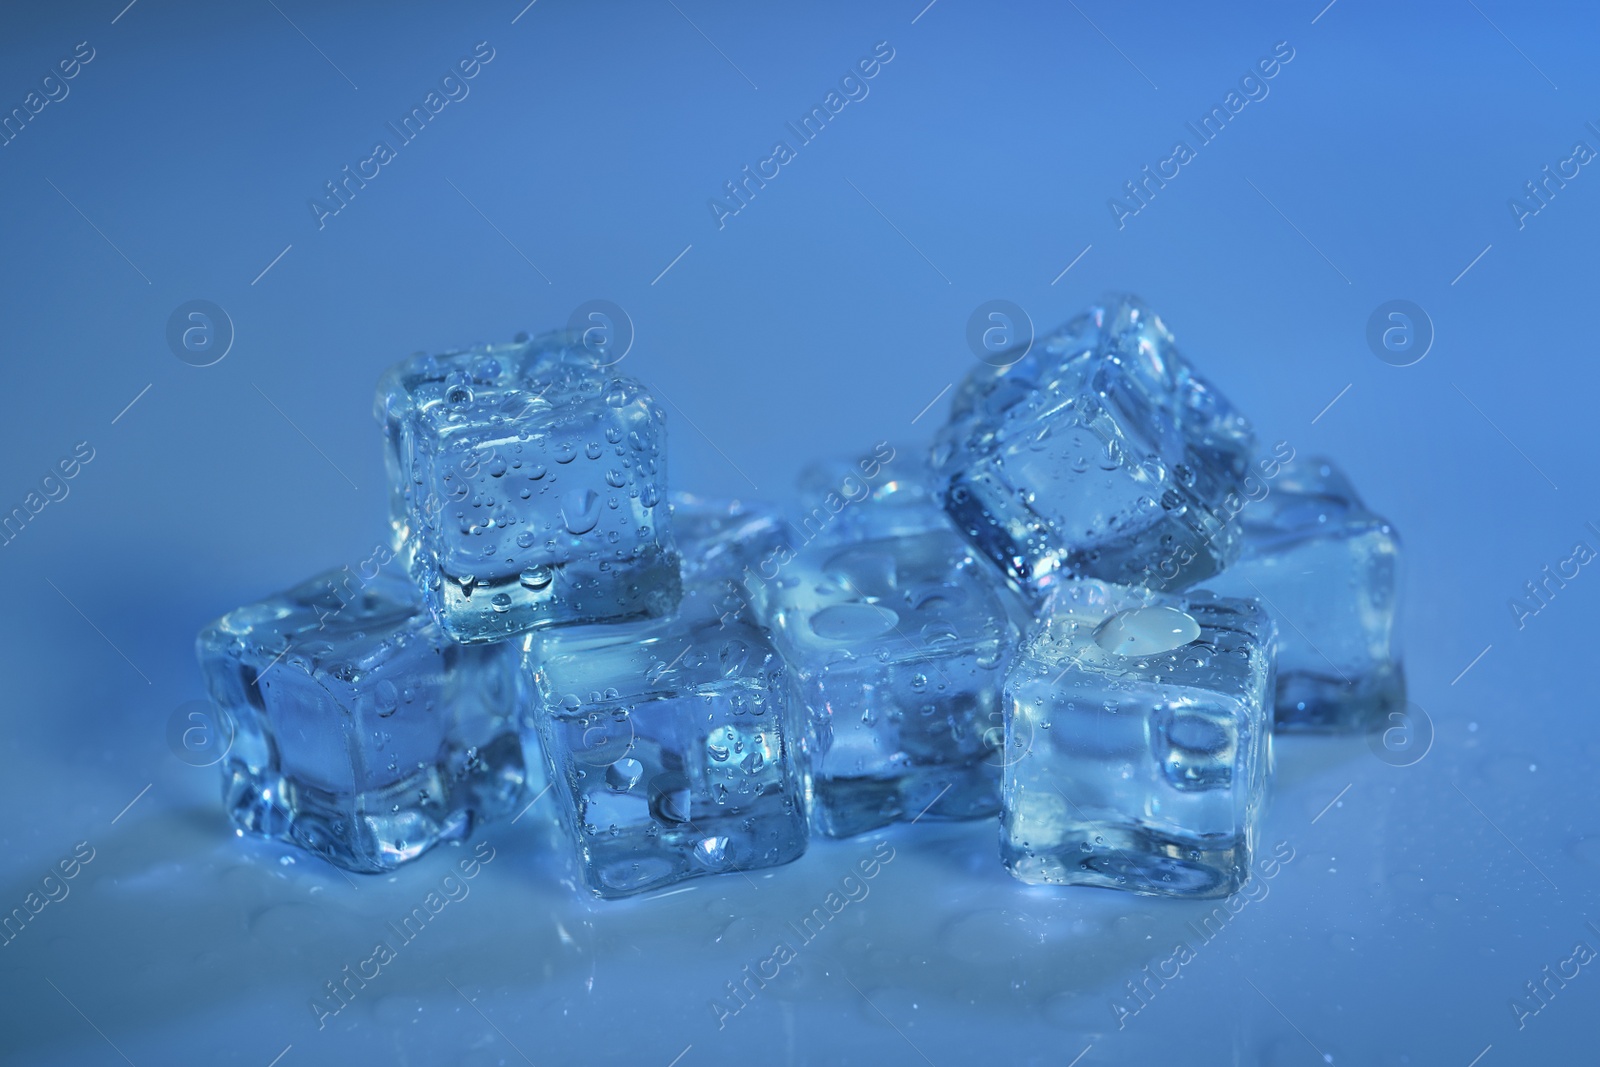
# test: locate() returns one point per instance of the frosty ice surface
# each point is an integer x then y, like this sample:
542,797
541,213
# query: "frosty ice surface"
1138,741
1100,453
898,641
1328,570
363,734
527,488
672,742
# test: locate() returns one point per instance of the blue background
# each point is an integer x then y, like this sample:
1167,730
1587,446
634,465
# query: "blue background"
827,314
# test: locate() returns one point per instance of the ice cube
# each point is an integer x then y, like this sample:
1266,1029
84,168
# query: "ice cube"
527,487
1328,571
1138,741
362,734
898,645
673,742
1099,453
729,537
883,492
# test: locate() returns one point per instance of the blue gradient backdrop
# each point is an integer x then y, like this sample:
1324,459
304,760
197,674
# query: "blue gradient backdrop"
827,313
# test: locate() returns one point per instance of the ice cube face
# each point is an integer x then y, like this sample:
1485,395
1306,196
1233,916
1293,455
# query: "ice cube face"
527,488
898,647
1138,741
363,735
672,742
1099,453
885,491
1328,571
731,539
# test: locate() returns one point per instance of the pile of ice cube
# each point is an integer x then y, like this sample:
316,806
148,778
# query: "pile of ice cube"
1085,611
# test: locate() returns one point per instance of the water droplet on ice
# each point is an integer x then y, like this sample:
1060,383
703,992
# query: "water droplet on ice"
853,622
712,851
1146,631
624,774
580,510
669,798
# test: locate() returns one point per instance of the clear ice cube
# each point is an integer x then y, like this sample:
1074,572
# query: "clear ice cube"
1328,571
673,742
1100,453
898,645
886,491
363,735
1138,741
730,537
527,488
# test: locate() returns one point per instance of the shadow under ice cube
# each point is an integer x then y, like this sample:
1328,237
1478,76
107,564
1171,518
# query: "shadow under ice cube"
1098,453
527,487
1328,570
672,742
1139,741
362,734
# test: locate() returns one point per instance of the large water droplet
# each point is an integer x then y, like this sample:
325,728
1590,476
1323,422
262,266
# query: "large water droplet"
537,576
580,510
853,622
624,774
1146,631
386,697
669,798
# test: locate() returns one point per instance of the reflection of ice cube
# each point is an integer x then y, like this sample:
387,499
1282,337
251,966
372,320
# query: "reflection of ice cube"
672,741
363,734
525,488
1146,766
1328,571
898,645
1099,453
